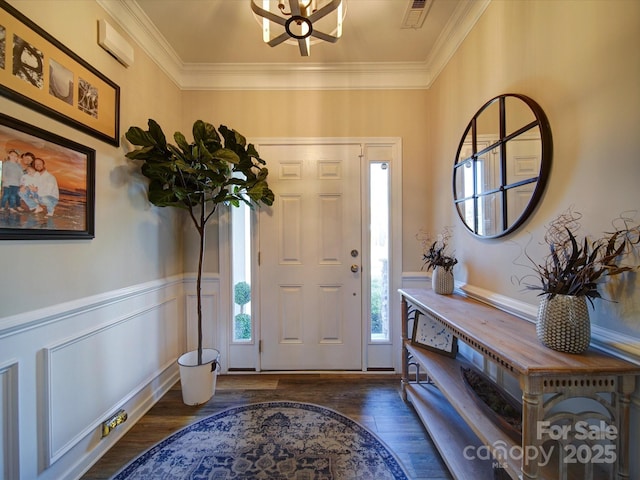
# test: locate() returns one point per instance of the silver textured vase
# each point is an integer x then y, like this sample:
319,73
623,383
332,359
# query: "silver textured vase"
563,323
442,281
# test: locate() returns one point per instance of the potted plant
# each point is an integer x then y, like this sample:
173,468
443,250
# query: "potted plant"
435,257
242,296
217,168
571,274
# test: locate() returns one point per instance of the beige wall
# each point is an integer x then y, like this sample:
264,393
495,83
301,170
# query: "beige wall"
580,62
372,113
577,60
132,244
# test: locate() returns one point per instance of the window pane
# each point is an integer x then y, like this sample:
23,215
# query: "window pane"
241,273
379,268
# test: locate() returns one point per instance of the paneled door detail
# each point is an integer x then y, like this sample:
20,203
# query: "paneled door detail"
310,259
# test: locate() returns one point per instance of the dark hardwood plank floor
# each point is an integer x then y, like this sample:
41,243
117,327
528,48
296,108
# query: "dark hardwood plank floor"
372,400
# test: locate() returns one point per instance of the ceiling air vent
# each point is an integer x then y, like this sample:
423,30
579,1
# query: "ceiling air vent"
416,13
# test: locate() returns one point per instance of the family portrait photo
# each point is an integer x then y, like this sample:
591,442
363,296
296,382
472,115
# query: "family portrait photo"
46,184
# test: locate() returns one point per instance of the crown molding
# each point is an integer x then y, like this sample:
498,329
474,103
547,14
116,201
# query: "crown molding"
137,25
289,76
453,34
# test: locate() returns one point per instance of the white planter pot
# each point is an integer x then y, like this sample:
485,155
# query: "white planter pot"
442,281
198,381
563,323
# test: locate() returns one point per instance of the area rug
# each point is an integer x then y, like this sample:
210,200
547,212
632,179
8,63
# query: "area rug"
275,441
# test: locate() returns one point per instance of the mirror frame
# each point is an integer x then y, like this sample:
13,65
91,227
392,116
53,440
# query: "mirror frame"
501,190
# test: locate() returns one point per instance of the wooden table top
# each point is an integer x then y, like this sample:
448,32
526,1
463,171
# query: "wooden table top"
509,340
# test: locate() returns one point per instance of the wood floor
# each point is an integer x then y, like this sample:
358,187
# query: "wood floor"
372,400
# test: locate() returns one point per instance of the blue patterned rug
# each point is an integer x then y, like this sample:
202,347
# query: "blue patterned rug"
275,441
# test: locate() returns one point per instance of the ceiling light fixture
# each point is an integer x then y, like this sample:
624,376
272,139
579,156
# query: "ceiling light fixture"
299,21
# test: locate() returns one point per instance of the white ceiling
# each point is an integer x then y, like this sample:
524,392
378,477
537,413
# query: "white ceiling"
217,44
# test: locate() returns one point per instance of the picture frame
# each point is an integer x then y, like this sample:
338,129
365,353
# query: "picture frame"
55,195
39,72
432,335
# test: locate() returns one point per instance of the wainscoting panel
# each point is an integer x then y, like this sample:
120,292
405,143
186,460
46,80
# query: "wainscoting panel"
209,321
104,378
67,368
9,424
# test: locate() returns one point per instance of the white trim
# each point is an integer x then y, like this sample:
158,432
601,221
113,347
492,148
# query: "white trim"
132,19
454,33
225,305
9,419
616,344
365,258
510,305
395,248
22,322
255,278
372,146
293,76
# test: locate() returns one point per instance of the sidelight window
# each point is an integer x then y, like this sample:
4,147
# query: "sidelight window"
379,233
241,273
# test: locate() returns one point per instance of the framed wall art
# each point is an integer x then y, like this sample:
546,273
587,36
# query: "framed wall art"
39,72
430,334
47,184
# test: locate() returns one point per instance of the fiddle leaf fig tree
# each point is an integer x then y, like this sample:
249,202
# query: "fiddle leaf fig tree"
218,167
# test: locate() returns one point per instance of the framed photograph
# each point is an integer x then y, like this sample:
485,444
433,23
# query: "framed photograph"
430,334
47,184
39,72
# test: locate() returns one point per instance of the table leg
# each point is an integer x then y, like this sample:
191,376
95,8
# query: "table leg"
532,413
626,386
405,355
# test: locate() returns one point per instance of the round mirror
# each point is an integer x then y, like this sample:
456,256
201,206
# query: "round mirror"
502,165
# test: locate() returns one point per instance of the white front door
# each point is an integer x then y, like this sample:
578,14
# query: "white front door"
311,258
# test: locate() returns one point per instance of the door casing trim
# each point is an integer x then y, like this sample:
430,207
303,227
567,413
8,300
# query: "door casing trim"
374,354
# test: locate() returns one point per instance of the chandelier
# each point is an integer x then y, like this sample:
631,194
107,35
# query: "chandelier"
299,20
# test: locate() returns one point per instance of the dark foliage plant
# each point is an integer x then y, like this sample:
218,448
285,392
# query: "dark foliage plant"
435,251
577,266
217,168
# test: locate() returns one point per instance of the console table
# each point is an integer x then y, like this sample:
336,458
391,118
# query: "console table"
549,382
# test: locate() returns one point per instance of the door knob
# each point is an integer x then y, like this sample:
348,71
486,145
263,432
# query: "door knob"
355,268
